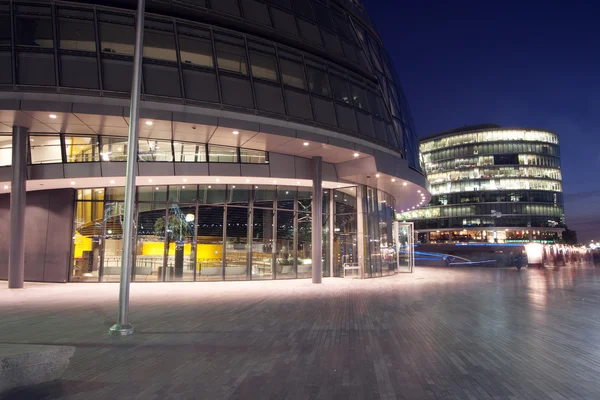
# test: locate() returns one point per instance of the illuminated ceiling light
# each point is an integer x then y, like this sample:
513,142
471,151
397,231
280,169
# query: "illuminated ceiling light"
255,187
418,191
274,181
233,186
247,180
185,179
236,132
377,175
149,123
112,182
217,179
150,180
393,179
356,154
53,116
305,143
209,186
5,187
183,187
297,183
404,184
72,183
287,192
157,188
190,217
339,186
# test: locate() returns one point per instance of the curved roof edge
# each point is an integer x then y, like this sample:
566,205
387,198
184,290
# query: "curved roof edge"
477,128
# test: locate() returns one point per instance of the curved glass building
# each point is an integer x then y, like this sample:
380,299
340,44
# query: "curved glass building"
244,105
491,184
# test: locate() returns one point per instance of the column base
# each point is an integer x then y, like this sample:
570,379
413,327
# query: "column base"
121,330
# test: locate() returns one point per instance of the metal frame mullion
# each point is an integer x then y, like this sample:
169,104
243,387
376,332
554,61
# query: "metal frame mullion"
12,44
224,249
249,71
98,51
216,66
274,238
331,230
55,45
307,87
166,242
332,95
295,240
103,241
195,243
280,78
181,85
250,234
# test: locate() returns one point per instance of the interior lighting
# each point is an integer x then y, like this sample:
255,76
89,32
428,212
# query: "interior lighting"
418,191
190,217
236,132
183,187
217,179
356,154
255,187
393,179
5,187
157,188
305,143
149,123
72,183
53,116
247,180
209,186
112,182
185,179
150,180
377,175
404,184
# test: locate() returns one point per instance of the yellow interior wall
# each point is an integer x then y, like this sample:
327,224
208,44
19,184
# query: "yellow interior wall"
204,251
81,244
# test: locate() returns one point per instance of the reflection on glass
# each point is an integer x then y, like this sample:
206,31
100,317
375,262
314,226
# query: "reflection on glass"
344,242
231,58
285,255
114,148
88,226
253,156
159,45
237,243
209,248
113,241
45,149
76,34
304,245
189,152
154,150
116,38
262,244
196,51
180,241
34,31
82,148
150,247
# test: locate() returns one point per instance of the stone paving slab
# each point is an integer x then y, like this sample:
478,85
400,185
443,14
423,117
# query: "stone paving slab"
439,333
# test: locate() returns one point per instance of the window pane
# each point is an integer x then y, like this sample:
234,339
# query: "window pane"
263,66
159,45
209,248
151,226
82,148
292,73
34,31
5,33
154,150
114,149
318,82
76,35
211,194
231,58
304,245
262,244
45,149
5,151
359,97
253,156
239,195
153,194
189,152
284,250
222,154
86,240
340,89
263,196
237,243
118,39
286,197
195,51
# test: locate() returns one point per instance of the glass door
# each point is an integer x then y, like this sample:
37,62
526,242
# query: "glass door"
404,234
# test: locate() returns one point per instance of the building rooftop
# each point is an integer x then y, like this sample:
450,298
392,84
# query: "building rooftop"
462,129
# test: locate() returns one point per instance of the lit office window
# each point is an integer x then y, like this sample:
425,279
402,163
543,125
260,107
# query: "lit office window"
222,154
155,150
231,58
253,156
45,149
5,151
189,152
113,149
292,74
82,148
196,51
76,35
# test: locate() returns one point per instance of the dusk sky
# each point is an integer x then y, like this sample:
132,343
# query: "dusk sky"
531,64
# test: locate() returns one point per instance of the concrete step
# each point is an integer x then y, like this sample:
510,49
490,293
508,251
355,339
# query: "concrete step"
24,365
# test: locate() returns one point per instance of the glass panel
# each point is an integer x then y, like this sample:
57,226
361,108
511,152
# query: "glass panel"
262,244
152,194
286,196
195,51
159,45
45,149
180,240
114,149
253,156
5,151
318,82
345,250
150,246
76,35
222,154
34,31
154,150
211,194
285,245
189,152
117,39
209,248
359,97
340,89
304,245
263,66
231,58
239,195
292,73
304,199
112,241
87,240
115,193
237,243
183,193
82,148
263,197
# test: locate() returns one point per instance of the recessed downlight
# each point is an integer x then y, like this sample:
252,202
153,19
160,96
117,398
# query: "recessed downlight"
112,182
149,123
236,132
53,116
217,179
356,154
404,184
305,144
72,183
393,179
150,180
377,175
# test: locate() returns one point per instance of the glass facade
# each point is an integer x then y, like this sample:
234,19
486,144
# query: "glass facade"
491,178
342,79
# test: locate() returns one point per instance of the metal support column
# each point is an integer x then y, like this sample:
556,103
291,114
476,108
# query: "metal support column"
123,327
317,220
16,255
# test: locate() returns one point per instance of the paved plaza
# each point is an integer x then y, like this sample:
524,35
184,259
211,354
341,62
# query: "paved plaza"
435,334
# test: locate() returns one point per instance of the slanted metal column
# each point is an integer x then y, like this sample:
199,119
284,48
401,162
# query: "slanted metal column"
16,255
317,220
123,327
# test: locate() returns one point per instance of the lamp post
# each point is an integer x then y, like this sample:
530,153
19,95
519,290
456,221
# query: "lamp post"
123,327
